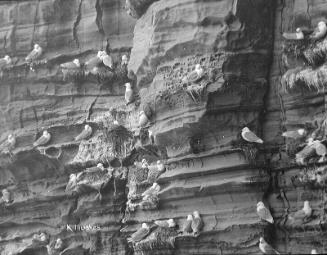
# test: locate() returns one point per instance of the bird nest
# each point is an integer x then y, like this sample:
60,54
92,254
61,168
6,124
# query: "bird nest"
117,135
295,47
316,54
312,79
73,75
250,152
161,239
137,175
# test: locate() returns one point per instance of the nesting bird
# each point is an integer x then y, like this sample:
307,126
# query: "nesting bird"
75,64
187,228
264,212
302,214
161,166
10,143
145,164
34,55
266,248
41,238
6,196
85,134
249,136
59,244
151,136
197,223
295,134
92,64
129,95
4,62
165,223
143,119
124,60
106,59
298,35
195,75
43,140
320,149
320,31
152,191
140,234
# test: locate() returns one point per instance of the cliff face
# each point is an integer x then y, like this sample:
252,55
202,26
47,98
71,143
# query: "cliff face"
195,124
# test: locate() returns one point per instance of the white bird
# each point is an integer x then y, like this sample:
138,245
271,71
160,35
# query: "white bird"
143,119
197,223
92,64
195,75
85,134
129,94
264,212
266,248
6,196
302,214
249,136
43,140
314,251
34,54
187,228
295,134
106,59
42,238
145,164
161,166
140,234
5,61
10,143
75,64
153,190
321,150
151,136
320,31
59,244
165,223
124,60
298,35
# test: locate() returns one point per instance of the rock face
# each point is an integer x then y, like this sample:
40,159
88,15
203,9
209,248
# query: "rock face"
201,71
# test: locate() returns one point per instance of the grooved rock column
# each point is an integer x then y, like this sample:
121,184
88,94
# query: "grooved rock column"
198,121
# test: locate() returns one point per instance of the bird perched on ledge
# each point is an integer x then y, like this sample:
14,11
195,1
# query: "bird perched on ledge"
140,234
295,134
85,134
124,61
9,144
187,228
195,75
40,238
320,31
303,214
143,119
106,59
152,191
264,213
165,223
43,140
75,64
34,55
129,94
4,62
249,136
298,35
6,197
197,223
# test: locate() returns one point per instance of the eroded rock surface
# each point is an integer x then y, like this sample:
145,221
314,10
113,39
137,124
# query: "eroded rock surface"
194,125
